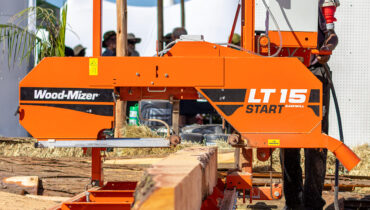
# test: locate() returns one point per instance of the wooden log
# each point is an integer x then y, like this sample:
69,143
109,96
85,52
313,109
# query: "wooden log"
22,185
181,181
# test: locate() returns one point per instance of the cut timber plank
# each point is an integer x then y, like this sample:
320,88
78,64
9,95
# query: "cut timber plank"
180,181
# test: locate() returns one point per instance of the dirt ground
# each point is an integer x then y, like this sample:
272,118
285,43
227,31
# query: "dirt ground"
9,201
66,177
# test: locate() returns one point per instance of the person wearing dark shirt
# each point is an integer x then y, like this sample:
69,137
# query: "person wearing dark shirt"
109,43
68,52
308,196
131,42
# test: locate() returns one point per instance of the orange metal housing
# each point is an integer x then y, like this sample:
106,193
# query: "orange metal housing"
272,102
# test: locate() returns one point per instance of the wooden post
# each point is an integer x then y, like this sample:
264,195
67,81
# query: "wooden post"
183,13
121,51
121,27
160,24
176,116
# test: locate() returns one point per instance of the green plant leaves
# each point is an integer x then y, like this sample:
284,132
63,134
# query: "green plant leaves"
46,41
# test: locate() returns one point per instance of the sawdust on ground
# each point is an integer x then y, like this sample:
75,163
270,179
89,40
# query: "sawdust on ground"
9,201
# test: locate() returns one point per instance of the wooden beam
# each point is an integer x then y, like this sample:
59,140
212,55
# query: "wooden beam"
176,116
121,50
180,181
160,24
121,27
183,13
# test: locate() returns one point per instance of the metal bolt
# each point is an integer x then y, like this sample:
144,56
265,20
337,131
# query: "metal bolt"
166,75
138,74
214,46
277,194
152,83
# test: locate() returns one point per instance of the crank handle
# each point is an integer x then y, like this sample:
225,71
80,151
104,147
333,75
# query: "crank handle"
321,52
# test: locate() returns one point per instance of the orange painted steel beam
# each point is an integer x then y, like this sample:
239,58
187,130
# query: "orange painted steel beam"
97,27
96,206
248,25
112,196
97,177
295,39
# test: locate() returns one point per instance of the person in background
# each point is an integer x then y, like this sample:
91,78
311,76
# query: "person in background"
131,42
177,32
79,51
109,43
167,39
68,52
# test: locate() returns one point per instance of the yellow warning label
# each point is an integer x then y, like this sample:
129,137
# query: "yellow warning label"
93,67
274,142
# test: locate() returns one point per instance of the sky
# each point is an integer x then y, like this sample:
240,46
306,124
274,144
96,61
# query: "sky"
58,3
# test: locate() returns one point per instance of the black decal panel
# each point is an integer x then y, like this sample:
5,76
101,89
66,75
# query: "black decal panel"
103,110
315,109
229,109
314,96
66,94
226,95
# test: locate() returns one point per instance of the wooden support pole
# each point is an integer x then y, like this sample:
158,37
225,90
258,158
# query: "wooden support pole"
121,50
183,13
180,181
121,27
176,116
160,24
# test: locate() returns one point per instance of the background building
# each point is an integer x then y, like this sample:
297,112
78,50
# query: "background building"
10,75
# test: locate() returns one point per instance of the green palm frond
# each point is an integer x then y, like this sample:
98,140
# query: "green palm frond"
21,43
